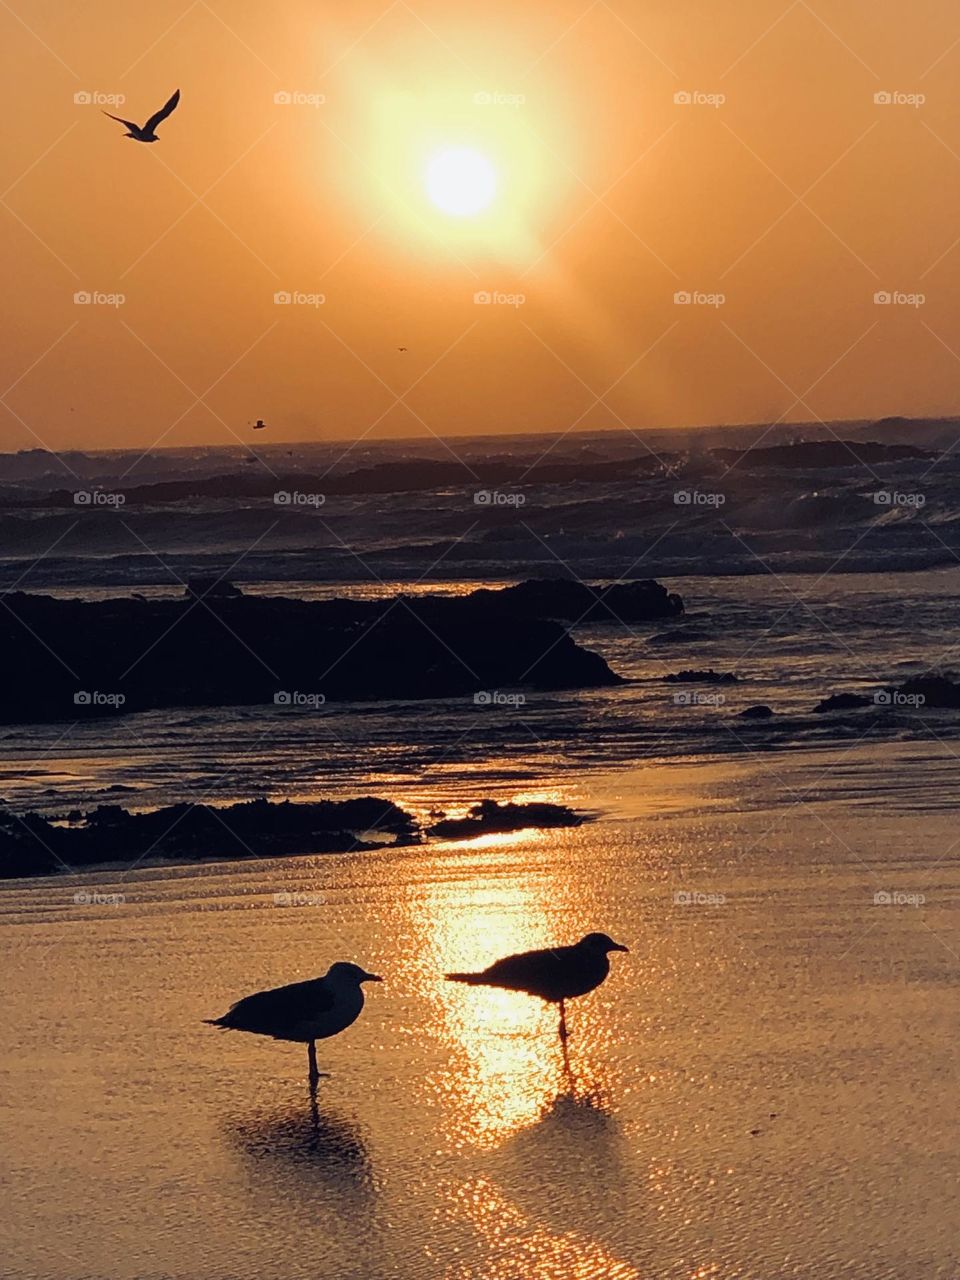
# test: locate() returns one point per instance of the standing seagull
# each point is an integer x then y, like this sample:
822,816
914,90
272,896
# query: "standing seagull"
304,1012
555,975
146,133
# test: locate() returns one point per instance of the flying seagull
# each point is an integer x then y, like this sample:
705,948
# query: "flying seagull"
259,425
304,1012
146,133
555,975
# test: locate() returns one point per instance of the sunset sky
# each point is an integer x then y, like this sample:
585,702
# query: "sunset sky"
783,187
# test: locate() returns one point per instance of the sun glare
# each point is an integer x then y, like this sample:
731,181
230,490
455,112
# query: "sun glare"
455,172
460,181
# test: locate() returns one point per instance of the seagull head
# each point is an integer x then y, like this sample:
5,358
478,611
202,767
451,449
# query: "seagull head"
602,943
350,975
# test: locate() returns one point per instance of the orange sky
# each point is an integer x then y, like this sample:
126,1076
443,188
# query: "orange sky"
797,199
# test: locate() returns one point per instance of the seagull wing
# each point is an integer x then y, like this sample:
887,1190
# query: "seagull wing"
536,971
270,1012
120,120
162,114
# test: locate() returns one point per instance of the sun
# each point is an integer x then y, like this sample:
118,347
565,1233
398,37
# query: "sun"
460,182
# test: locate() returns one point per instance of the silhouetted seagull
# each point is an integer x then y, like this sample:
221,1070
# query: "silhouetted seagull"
304,1012
146,133
556,975
259,425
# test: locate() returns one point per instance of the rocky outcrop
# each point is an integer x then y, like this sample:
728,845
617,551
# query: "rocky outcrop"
709,676
638,600
66,659
841,702
34,845
923,691
489,816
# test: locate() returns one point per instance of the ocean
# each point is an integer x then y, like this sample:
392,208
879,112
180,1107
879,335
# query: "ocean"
765,1086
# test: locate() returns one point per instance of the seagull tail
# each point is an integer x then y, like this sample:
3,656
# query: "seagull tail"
471,979
216,1022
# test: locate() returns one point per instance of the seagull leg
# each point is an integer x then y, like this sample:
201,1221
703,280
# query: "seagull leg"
563,1025
312,1059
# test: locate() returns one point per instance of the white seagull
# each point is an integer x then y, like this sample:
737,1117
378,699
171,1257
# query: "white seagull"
303,1012
147,132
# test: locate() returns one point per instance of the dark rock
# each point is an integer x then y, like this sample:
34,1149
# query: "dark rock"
33,845
841,702
927,691
215,588
640,600
759,712
62,659
489,816
709,676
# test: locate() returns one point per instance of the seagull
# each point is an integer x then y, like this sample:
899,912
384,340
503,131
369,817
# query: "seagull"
556,975
259,425
304,1012
145,133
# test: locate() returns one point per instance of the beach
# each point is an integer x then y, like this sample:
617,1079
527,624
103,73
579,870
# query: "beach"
763,1087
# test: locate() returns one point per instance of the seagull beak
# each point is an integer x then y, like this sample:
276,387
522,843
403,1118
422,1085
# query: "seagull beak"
371,977
618,946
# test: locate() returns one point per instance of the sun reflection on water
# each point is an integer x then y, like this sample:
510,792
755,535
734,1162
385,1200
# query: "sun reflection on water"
518,1246
503,1060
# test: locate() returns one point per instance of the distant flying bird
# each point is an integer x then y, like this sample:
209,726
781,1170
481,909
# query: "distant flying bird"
303,1012
555,975
259,425
401,348
146,133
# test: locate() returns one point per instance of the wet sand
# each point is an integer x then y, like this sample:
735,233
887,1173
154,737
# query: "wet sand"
764,1087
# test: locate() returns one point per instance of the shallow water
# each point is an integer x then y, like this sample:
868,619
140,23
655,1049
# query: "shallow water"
765,1086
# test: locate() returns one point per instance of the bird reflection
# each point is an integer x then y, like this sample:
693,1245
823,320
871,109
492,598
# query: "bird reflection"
577,1135
517,1244
309,1151
566,1167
